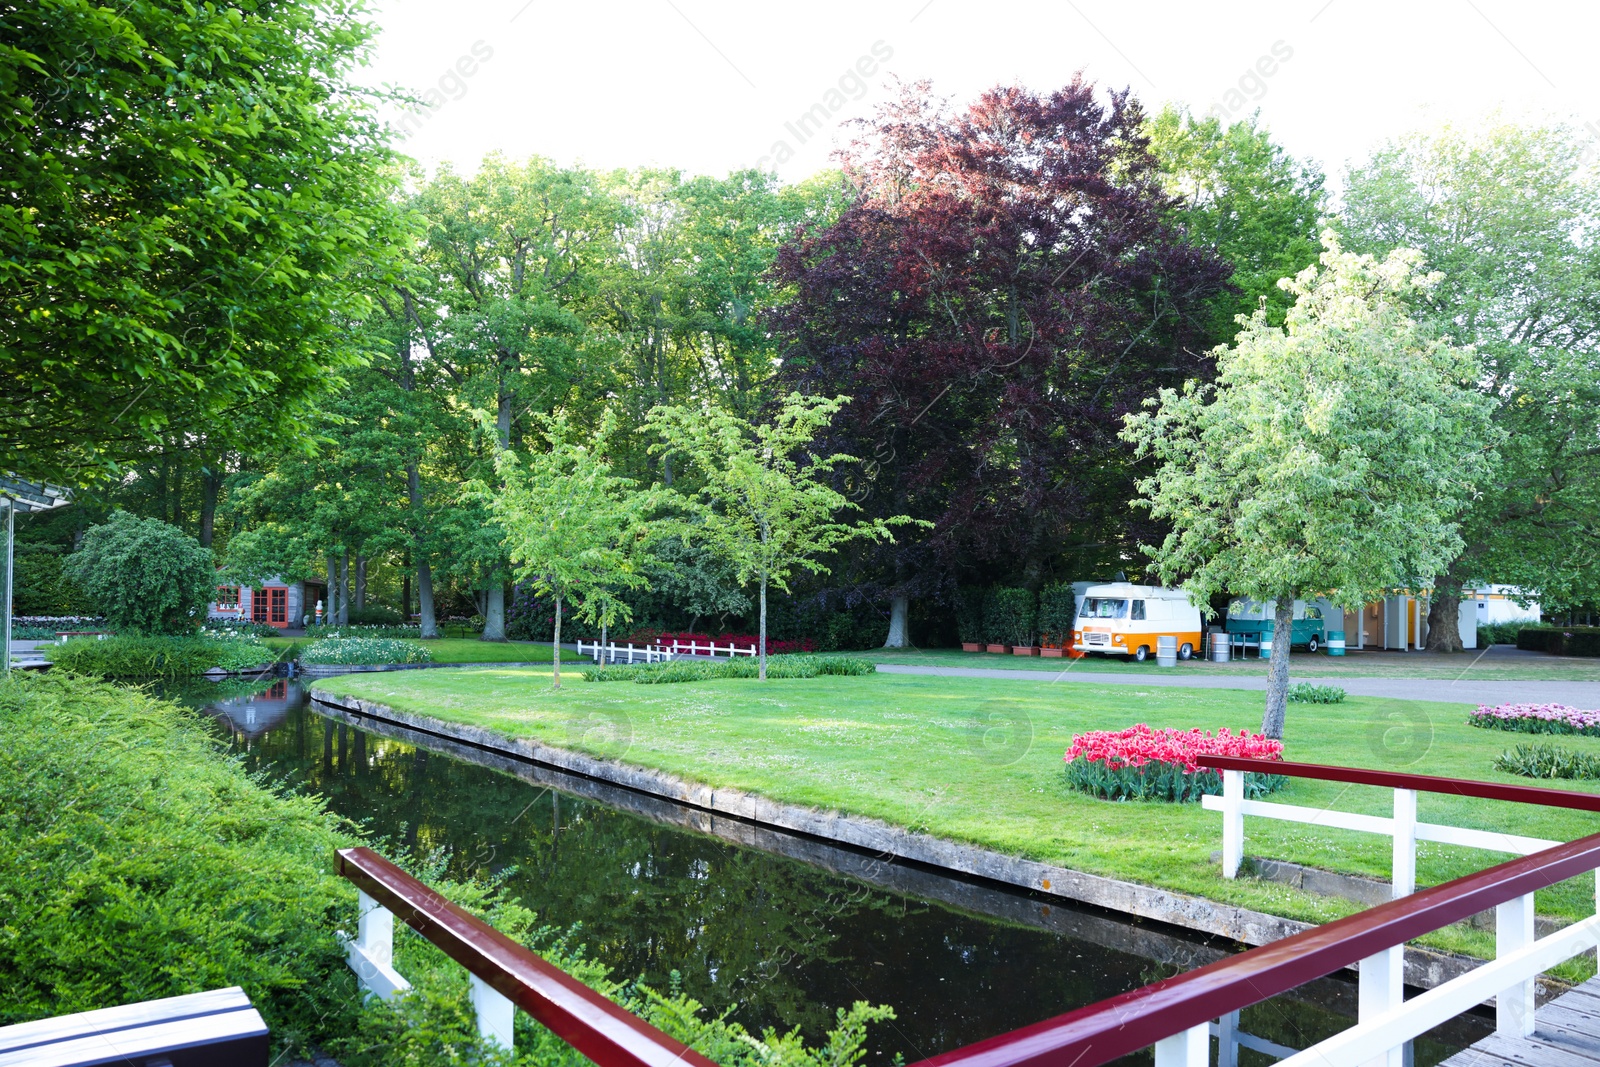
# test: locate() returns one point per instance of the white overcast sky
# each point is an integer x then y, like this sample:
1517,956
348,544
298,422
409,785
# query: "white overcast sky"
708,86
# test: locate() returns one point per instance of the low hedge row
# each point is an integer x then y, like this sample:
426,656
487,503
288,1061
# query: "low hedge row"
1560,640
159,657
364,650
702,670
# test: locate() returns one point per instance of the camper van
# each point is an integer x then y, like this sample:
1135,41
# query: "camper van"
1125,620
1309,628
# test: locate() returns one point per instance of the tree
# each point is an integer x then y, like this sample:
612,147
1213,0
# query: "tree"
766,505
1510,216
185,190
574,530
1332,457
146,576
1245,198
1009,280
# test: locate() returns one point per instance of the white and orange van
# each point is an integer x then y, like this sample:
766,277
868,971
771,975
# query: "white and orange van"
1125,620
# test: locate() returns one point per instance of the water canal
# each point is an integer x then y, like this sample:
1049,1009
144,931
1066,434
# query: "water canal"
775,929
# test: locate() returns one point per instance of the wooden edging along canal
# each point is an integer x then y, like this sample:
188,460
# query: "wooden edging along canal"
1424,968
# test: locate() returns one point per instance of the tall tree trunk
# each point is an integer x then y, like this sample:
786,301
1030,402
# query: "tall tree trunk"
1278,670
1444,615
405,588
331,595
210,488
555,647
430,624
899,631
344,588
762,638
361,583
494,612
177,492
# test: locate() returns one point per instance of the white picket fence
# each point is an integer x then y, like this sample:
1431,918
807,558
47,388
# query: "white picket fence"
615,653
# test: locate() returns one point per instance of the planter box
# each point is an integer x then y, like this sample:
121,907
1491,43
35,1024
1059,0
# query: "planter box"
971,646
999,650
1025,650
1052,653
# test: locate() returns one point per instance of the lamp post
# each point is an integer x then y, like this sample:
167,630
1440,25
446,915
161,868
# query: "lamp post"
17,495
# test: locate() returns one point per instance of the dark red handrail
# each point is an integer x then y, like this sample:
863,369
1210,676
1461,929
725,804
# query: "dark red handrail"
1426,783
603,1031
1124,1024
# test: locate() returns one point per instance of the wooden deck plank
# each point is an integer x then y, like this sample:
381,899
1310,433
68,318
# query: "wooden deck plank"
1566,1034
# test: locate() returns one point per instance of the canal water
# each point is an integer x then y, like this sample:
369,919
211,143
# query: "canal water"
777,930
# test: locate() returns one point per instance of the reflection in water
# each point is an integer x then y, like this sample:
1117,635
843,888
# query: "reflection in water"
775,941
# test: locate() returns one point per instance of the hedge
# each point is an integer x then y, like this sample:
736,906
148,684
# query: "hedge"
159,657
1560,640
1010,617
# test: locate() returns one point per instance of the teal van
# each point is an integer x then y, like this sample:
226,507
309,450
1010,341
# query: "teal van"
1252,618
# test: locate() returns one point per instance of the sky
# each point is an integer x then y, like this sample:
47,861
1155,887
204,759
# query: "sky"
709,87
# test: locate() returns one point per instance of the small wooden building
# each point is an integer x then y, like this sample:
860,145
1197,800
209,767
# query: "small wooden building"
286,605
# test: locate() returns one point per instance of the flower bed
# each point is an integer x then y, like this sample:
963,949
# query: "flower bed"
1141,763
1537,719
360,651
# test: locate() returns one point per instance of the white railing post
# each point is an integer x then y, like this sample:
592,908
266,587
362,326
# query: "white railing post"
1232,822
1513,929
495,1013
1403,870
1190,1048
1382,989
1228,1040
371,954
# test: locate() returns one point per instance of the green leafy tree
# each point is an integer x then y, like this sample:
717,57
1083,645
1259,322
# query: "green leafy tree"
1332,457
185,191
767,504
146,576
1245,197
1510,215
575,531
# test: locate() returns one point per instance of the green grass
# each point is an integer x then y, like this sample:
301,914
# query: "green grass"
467,650
1496,666
980,761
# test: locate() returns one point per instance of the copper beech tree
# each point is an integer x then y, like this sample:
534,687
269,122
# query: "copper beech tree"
1008,282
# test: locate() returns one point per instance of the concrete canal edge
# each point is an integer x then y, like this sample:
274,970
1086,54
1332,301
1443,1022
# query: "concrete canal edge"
1425,968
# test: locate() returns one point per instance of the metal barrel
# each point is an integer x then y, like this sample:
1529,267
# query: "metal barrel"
1219,646
1335,642
1266,645
1166,651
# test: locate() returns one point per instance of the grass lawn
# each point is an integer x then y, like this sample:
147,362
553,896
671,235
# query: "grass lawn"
466,650
979,760
1500,664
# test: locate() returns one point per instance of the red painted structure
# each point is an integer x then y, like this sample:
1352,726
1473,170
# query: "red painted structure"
1089,1037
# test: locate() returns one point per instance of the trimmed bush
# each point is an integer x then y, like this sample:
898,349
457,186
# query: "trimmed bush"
1548,761
360,651
1010,617
969,615
375,615
704,670
159,657
1058,613
1560,640
137,861
1500,633
148,577
1306,693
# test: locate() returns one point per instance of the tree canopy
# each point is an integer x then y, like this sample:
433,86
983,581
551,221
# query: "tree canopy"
1332,456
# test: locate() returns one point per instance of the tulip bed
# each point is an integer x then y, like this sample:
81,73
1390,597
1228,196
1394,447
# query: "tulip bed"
1141,763
1537,719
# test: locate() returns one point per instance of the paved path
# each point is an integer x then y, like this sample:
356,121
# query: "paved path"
1463,691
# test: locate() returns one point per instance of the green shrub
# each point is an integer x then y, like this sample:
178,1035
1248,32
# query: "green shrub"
1010,616
1058,611
364,650
703,670
969,615
43,587
1500,633
32,633
148,577
375,615
159,657
1560,640
1548,761
1306,693
137,861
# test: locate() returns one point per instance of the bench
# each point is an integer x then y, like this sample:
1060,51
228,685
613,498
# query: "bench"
214,1029
63,636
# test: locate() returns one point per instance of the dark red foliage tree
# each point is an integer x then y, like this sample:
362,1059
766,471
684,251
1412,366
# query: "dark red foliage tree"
1007,284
